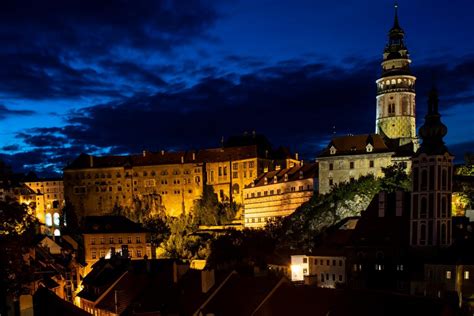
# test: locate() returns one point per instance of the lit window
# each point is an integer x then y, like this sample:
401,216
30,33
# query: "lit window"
139,253
120,240
466,275
56,219
138,239
305,260
49,220
94,254
448,275
57,232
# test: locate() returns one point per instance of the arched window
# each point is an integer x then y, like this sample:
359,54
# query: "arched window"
423,207
56,219
424,180
444,207
405,109
236,188
422,234
444,179
443,234
49,220
57,232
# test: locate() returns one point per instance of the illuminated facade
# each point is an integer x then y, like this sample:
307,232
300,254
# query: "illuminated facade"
278,193
430,223
395,118
107,235
325,271
395,141
167,182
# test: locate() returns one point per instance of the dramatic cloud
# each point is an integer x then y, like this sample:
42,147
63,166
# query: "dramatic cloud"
6,112
293,103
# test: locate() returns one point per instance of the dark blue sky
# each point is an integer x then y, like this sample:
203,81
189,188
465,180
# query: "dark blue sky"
121,76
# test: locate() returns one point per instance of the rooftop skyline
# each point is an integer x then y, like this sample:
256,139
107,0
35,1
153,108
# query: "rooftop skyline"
108,78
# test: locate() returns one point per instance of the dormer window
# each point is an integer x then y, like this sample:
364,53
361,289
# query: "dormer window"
369,148
265,180
332,150
301,174
286,177
275,179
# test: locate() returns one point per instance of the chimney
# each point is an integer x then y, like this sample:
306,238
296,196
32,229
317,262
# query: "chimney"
382,203
144,153
194,156
91,161
301,163
207,280
265,180
182,159
162,152
296,156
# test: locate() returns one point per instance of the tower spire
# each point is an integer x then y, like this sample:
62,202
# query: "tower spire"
396,25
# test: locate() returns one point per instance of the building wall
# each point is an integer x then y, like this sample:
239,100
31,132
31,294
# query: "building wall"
262,203
49,201
169,188
345,168
325,271
99,245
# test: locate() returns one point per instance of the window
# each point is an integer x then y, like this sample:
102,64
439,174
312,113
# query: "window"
448,275
378,267
334,277
120,240
92,241
371,164
251,164
305,260
235,175
129,239
225,171
111,240
305,271
331,182
340,263
220,171
466,275
102,240
340,277
334,262
235,165
138,239
351,165
315,261
139,253
94,254
331,166
49,220
102,253
328,263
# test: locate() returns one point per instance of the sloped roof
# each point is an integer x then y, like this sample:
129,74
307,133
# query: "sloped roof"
356,145
148,158
308,170
110,224
289,299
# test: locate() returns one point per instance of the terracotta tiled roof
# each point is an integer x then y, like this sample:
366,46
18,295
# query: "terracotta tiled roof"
356,145
307,170
110,224
148,158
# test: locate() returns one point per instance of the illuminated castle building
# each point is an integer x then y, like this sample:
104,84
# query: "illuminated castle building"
349,157
167,182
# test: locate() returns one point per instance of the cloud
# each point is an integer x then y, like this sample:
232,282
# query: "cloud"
295,103
6,112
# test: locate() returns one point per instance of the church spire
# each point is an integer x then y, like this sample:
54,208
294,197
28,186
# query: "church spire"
433,130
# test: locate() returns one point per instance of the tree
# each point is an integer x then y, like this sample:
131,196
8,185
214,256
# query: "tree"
17,229
209,211
395,179
159,230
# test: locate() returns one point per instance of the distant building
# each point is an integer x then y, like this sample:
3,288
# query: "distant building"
105,236
347,158
325,271
278,193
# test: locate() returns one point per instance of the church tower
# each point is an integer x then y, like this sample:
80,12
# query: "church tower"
432,172
395,118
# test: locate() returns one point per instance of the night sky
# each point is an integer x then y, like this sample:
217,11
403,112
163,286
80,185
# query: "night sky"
111,76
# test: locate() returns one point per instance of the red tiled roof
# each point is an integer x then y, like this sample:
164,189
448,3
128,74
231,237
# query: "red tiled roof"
85,161
309,170
356,145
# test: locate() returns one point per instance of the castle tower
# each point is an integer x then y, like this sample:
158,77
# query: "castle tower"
395,117
432,172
